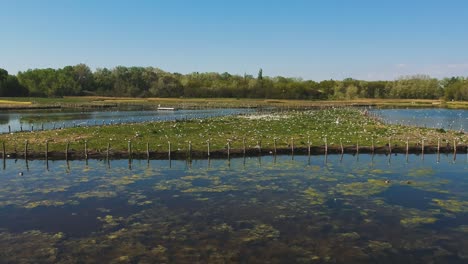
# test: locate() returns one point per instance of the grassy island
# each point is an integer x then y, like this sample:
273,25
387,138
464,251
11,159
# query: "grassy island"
332,130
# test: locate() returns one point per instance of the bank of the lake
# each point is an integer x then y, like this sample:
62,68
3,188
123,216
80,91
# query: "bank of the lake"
317,131
11,103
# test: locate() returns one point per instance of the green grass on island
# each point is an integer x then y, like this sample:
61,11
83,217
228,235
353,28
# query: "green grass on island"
333,126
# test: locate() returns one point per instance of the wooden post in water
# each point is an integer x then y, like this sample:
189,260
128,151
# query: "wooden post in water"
9,129
438,145
292,146
169,145
308,145
147,150
326,146
107,151
190,149
274,146
259,144
208,145
46,149
129,149
373,145
390,145
42,126
86,149
26,149
3,150
243,144
32,128
407,146
341,146
454,149
66,150
422,146
229,149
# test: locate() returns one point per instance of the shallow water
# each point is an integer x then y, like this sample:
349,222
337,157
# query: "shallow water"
54,119
452,119
350,209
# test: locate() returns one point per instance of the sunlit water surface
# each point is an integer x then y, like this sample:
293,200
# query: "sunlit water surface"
55,119
350,209
453,119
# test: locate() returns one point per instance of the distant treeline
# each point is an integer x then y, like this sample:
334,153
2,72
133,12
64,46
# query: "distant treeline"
154,82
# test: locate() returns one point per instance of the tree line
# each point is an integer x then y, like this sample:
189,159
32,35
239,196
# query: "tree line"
154,82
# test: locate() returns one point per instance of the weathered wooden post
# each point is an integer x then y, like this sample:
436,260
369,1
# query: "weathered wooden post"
308,145
3,150
341,146
274,146
243,145
66,150
454,149
147,151
42,126
390,145
129,149
26,149
21,127
32,128
190,149
9,129
169,145
438,145
107,151
229,149
208,145
259,144
326,145
86,149
46,149
407,146
292,146
422,146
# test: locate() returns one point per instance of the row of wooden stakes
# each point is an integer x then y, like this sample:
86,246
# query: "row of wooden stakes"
291,149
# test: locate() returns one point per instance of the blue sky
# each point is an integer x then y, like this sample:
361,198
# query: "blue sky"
363,39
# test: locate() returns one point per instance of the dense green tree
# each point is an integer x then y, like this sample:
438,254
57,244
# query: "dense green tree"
149,81
455,89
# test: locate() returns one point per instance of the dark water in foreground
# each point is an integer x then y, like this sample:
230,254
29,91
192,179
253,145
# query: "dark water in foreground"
360,209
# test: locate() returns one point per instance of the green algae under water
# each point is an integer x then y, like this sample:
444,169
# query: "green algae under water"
350,209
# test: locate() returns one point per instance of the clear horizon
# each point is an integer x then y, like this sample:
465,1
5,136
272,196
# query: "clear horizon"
316,40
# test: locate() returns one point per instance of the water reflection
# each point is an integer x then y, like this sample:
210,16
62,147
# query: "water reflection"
337,209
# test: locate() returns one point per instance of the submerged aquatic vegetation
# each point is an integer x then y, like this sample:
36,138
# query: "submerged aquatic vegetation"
260,232
313,196
371,187
454,206
417,220
43,203
250,211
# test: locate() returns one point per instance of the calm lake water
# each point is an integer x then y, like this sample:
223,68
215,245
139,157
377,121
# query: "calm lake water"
50,119
431,117
350,209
